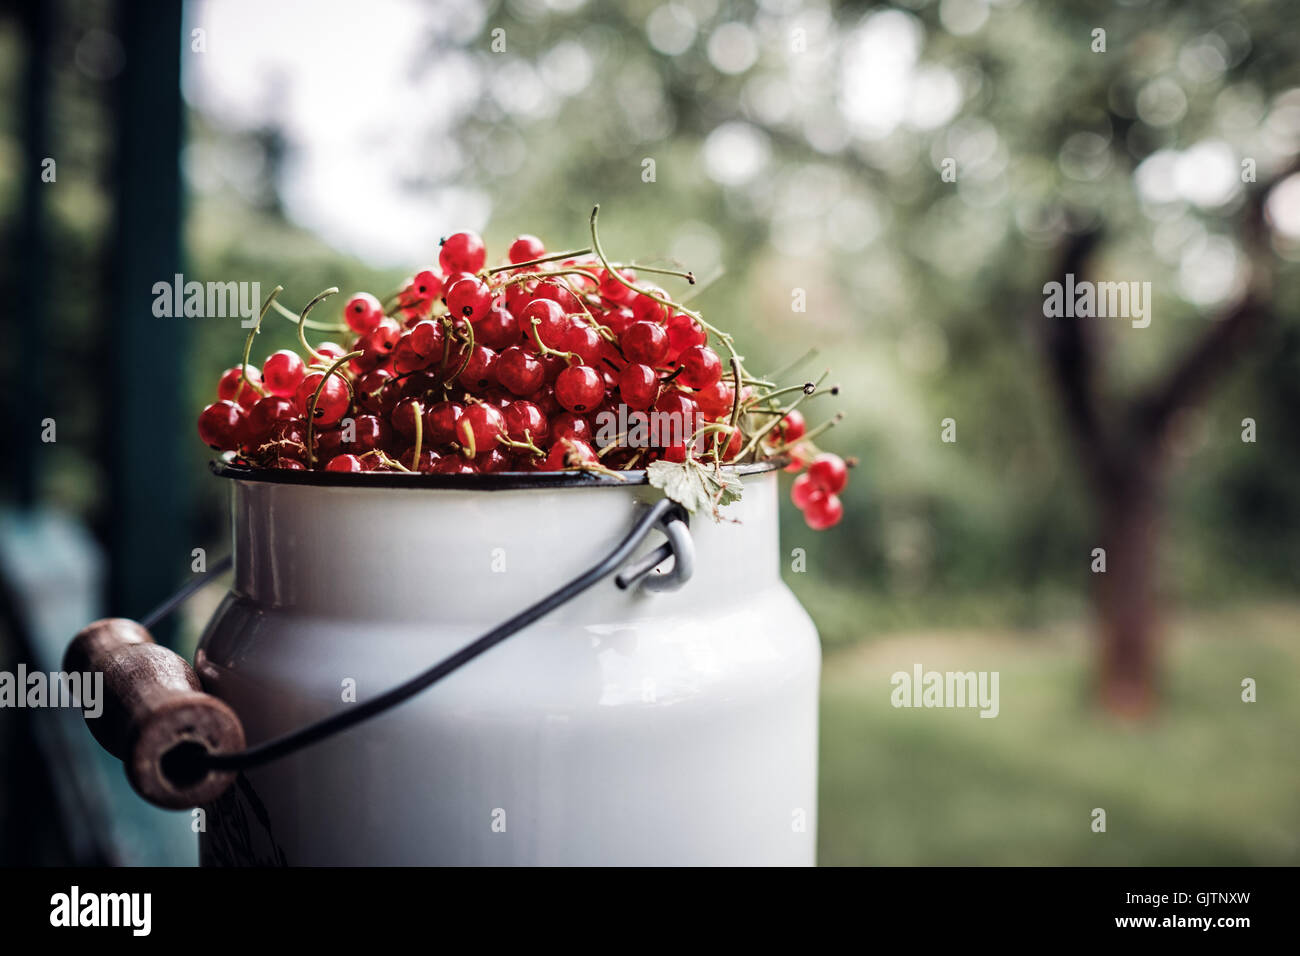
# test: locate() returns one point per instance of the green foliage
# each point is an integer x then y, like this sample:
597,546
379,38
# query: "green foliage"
1211,783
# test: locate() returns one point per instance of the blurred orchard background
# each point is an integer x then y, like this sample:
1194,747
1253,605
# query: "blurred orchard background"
794,146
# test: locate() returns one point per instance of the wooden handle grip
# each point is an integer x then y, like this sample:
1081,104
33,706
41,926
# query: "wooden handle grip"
156,718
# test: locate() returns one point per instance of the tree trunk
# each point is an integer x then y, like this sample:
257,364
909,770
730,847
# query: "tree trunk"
1127,597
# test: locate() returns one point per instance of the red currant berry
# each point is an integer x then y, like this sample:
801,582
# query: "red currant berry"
829,473
331,404
372,395
420,384
406,359
404,415
362,313
427,338
453,465
331,351
613,290
798,459
424,287
290,432
221,424
519,295
544,398
681,412
329,442
824,512
683,332
440,422
579,388
526,423
583,341
263,417
344,463
701,366
792,427
480,427
647,309
428,458
618,319
233,388
552,366
282,372
567,425
499,329
520,371
480,371
558,294
469,298
804,491
492,461
646,343
370,432
730,442
715,401
638,386
381,341
568,453
463,252
549,318
525,249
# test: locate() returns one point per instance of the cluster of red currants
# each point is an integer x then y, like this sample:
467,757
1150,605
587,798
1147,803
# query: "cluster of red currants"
817,491
520,367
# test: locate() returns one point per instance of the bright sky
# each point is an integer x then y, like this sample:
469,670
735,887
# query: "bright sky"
342,86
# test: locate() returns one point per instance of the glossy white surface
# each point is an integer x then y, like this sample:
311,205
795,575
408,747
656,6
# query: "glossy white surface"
624,728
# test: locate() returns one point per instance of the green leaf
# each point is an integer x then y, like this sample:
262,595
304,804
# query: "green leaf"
695,486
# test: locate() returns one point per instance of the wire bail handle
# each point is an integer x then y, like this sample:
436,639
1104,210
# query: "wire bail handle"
664,515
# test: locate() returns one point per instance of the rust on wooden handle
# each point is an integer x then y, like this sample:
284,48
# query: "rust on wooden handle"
156,718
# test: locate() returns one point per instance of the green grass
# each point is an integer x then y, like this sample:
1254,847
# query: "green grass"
1210,780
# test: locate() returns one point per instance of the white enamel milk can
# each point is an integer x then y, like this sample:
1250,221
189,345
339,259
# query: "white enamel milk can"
628,726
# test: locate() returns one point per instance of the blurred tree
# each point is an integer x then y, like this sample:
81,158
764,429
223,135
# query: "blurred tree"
931,165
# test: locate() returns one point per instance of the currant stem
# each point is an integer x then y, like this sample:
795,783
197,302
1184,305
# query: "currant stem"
419,436
315,397
384,459
603,330
248,342
812,433
537,262
311,324
722,337
808,388
708,429
736,391
469,352
688,276
556,273
302,320
543,348
469,449
762,432
599,469
528,445
449,330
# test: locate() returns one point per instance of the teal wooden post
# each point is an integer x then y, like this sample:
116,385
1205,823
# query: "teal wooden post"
27,322
150,421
